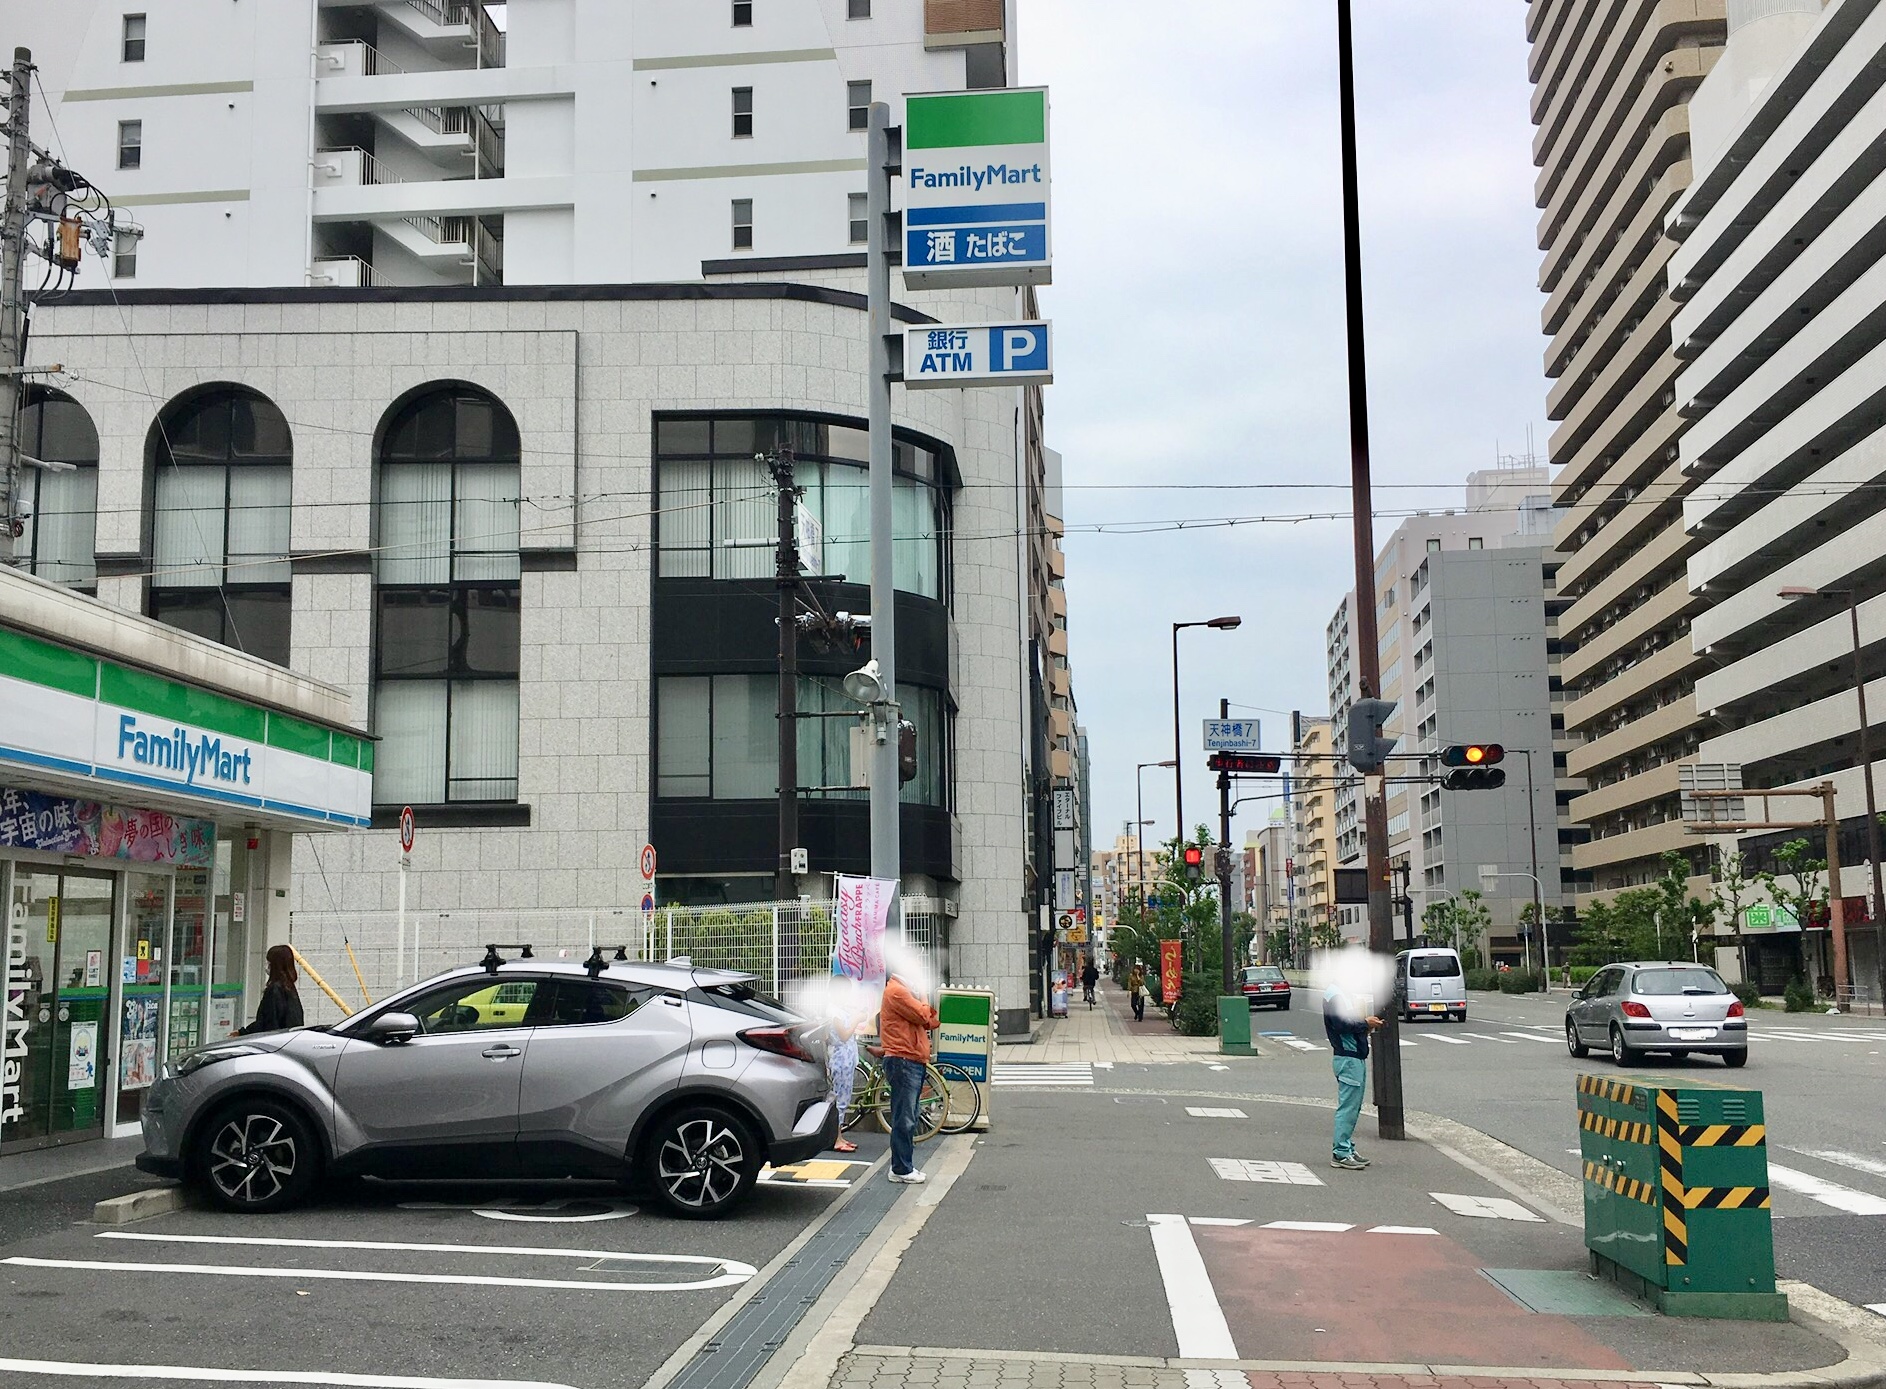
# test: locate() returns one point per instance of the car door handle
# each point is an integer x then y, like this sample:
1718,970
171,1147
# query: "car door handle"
503,1051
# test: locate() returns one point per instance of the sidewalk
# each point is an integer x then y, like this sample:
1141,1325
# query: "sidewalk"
1108,1034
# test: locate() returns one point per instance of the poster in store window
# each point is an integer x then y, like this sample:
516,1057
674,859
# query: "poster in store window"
81,1072
222,1017
94,968
137,1066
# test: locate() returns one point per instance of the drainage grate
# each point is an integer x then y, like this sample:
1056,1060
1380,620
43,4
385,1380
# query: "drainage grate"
747,1342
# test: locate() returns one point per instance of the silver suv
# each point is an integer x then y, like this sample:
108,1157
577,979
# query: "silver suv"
1655,1006
680,1080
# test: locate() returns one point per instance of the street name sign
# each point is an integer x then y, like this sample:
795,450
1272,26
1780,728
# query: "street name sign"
976,196
1234,735
978,354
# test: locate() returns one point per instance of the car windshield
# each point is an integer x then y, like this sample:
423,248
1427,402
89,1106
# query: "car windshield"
1266,974
1433,966
1682,979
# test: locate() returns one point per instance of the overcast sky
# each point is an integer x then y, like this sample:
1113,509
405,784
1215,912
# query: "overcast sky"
1198,311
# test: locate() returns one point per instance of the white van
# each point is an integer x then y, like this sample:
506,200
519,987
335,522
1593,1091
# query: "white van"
1429,982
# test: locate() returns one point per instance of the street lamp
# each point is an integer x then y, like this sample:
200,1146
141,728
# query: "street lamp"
1139,825
1222,624
1866,768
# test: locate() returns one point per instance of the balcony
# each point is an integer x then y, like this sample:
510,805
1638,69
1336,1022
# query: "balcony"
342,272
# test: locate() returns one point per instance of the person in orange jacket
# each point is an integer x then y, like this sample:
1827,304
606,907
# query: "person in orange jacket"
904,1028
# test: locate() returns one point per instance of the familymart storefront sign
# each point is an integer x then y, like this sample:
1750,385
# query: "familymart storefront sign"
86,716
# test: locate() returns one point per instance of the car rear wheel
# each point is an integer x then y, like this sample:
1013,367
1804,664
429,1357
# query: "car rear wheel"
1572,1044
1622,1052
255,1156
1735,1058
701,1161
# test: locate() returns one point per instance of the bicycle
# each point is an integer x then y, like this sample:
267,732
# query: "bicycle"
948,1102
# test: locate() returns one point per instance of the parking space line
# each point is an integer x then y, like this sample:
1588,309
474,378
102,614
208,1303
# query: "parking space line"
199,1374
340,1275
1198,1322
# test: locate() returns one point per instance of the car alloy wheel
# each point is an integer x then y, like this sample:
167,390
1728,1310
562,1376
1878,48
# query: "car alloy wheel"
1622,1053
1572,1044
257,1156
703,1162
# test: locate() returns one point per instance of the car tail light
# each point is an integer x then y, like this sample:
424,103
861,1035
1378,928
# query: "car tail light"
1635,1010
778,1040
1736,1009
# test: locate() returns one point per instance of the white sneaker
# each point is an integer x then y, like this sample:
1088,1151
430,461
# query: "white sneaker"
910,1178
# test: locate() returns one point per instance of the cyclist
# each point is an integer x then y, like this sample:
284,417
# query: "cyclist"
1090,976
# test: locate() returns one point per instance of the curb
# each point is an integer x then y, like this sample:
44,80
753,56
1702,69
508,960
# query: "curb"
142,1205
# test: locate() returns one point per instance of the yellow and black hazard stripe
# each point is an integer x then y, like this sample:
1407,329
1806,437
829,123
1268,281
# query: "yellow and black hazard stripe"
1724,1136
1623,1130
1604,1088
1676,1236
1726,1198
1628,1187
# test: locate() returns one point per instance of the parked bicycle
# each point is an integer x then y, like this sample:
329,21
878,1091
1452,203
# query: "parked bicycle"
948,1102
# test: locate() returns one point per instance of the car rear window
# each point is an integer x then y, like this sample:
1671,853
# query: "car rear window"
1692,979
744,998
1268,974
1433,966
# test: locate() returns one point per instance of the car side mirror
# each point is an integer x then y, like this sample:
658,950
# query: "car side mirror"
393,1027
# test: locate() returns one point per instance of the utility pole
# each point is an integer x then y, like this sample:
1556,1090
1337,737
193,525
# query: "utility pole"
12,306
780,464
1388,1102
1224,869
884,159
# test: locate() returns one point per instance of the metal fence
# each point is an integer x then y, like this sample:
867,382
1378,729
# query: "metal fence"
363,956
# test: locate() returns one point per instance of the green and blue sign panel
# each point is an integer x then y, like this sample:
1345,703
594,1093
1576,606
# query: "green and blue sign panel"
976,208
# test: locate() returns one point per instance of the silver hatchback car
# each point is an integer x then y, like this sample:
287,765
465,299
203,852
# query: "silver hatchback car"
1657,1006
678,1080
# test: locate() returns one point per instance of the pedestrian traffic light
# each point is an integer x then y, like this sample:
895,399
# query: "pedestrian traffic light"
906,751
1473,768
1194,863
1245,763
1368,749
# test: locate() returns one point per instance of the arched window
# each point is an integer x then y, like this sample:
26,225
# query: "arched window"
446,650
61,488
220,463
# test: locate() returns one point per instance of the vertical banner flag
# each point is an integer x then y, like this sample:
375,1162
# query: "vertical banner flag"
1171,970
864,906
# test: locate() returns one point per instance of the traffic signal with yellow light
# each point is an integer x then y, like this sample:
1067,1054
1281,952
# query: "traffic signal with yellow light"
1472,767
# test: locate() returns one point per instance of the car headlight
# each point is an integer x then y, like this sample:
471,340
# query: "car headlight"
197,1060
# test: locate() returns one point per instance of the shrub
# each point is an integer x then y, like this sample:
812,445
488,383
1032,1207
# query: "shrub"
1483,980
1581,974
1197,1014
1750,995
1799,996
1521,981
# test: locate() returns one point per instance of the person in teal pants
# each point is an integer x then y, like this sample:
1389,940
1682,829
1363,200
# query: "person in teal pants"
1349,1040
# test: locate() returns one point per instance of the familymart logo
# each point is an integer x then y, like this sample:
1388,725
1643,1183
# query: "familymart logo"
197,756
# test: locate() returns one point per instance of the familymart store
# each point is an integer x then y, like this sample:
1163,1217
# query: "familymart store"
144,848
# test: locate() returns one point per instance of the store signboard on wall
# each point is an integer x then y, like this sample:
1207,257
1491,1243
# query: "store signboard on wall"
56,825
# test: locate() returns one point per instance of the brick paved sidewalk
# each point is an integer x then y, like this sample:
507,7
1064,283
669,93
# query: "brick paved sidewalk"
1108,1033
883,1368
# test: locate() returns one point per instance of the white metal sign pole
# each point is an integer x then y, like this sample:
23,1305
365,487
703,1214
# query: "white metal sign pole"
885,158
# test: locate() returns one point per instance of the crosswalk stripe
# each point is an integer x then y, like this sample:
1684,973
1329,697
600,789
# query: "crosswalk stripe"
1531,1037
1451,1041
1841,1198
1871,1166
1043,1075
1489,1037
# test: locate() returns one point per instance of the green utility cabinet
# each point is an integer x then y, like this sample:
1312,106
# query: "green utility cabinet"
1234,1026
1676,1195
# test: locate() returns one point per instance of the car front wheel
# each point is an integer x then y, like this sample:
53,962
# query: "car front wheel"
256,1156
1572,1044
701,1161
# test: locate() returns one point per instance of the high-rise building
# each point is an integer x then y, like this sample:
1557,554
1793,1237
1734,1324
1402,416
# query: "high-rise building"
1612,89
1318,772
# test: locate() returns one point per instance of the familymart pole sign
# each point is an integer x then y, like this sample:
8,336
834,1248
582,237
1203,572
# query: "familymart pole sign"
976,175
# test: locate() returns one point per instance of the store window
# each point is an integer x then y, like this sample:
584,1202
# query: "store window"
62,490
712,489
220,488
448,596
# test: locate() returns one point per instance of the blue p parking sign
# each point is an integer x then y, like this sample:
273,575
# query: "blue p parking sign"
978,354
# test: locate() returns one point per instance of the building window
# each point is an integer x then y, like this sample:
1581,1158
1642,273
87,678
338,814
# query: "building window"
858,210
1474,542
130,144
124,255
134,38
1434,545
62,525
743,224
858,105
859,9
446,650
220,489
743,14
710,490
742,112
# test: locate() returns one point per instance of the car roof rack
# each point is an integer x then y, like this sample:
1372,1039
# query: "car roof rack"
492,959
596,964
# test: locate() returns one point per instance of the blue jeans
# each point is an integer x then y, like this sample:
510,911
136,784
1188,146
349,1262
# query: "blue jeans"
906,1078
1351,1072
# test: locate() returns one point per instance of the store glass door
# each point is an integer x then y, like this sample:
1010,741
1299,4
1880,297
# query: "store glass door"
59,928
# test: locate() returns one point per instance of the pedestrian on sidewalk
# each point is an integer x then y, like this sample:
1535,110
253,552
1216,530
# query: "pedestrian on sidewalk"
1348,1033
849,1017
280,1007
904,1027
1136,990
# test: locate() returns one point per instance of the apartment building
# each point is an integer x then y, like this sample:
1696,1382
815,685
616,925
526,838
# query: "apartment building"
1313,787
1613,84
440,142
1269,855
1780,284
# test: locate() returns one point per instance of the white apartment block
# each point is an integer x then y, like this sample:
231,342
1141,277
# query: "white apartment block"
1782,282
440,142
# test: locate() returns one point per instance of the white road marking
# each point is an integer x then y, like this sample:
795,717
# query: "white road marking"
1841,1198
199,1374
1198,1322
1872,1166
1103,1065
526,1212
1217,1220
1328,1227
1042,1074
1402,1230
1206,1112
1489,1037
1451,1041
1216,1066
1406,1043
1290,1039
1277,1173
1533,1037
1486,1207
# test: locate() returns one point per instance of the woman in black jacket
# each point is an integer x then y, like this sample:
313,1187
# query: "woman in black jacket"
281,1005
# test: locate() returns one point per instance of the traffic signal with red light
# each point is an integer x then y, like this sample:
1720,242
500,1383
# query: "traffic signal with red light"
1473,768
1194,863
1245,763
